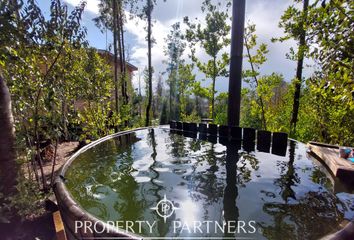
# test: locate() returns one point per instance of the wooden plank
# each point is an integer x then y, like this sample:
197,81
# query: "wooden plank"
323,145
340,167
59,226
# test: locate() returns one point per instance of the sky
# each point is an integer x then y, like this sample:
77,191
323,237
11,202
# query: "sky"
264,13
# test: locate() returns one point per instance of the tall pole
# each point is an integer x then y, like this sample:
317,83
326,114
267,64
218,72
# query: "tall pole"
238,24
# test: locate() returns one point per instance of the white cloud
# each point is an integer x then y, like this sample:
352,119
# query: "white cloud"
265,14
136,27
92,5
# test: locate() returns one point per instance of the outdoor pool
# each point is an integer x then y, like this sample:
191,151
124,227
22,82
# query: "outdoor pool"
203,182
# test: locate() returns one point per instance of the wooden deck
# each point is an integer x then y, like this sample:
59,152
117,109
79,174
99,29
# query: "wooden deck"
340,167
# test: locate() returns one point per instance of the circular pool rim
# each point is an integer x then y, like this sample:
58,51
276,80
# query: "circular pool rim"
71,212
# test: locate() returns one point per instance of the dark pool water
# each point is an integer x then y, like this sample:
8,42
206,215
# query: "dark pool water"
258,195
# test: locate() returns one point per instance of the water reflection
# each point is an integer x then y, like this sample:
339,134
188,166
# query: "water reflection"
231,212
309,215
156,188
313,215
247,164
121,179
288,177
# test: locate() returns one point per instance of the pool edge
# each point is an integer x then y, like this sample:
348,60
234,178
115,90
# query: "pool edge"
72,213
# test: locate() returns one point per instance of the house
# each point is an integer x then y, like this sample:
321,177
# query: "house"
109,57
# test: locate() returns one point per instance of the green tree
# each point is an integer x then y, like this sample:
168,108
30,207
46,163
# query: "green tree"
185,84
294,22
112,17
146,14
248,116
221,109
34,57
327,113
270,90
97,117
275,94
8,167
31,64
213,38
264,99
251,76
148,11
147,90
158,98
332,87
174,50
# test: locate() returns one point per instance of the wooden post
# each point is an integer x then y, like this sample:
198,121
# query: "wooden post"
59,226
238,24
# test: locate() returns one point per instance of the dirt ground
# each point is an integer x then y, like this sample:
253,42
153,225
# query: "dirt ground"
64,151
42,227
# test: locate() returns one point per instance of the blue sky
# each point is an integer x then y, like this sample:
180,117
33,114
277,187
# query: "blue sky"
264,13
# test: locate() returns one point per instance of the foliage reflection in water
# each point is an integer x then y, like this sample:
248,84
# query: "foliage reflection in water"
123,178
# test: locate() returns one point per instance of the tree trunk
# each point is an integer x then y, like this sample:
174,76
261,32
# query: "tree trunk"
299,68
256,80
8,165
119,41
140,98
122,56
177,98
54,163
148,107
197,106
212,115
63,115
115,49
170,115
